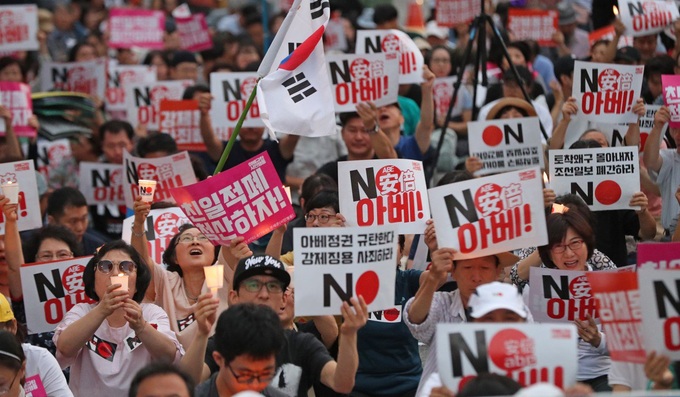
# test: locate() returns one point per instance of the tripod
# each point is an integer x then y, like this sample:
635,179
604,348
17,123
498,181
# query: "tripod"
478,31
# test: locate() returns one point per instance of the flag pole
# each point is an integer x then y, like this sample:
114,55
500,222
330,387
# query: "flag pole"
237,128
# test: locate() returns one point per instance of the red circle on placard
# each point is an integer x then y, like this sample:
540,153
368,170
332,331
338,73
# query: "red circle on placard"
492,135
388,180
367,286
579,288
391,314
608,192
511,349
72,279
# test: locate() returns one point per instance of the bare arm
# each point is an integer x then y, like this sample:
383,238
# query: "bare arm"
442,264
425,126
14,256
569,109
647,222
632,137
12,143
193,360
381,143
213,144
139,242
328,329
612,46
651,157
287,146
524,266
160,346
276,241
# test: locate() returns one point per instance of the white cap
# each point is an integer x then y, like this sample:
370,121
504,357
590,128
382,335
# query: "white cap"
540,390
494,296
432,29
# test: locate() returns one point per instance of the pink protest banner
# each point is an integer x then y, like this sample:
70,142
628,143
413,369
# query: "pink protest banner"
161,227
454,12
85,77
533,24
18,28
136,28
662,256
169,171
671,97
193,33
618,304
17,98
247,200
181,120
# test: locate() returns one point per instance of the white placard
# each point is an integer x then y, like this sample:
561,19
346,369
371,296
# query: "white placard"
230,93
19,28
560,295
23,173
161,226
87,77
143,100
119,77
102,183
442,91
646,17
51,154
392,41
660,296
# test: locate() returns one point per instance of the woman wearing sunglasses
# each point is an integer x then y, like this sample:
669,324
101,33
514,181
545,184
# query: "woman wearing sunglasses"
107,342
12,366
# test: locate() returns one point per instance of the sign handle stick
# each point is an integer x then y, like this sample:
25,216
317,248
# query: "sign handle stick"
234,134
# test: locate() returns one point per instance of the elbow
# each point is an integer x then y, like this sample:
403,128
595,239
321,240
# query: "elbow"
344,387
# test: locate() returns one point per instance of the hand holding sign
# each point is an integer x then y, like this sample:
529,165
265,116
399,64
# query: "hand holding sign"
354,317
238,249
430,236
662,116
442,263
9,210
656,370
587,330
569,109
368,113
141,209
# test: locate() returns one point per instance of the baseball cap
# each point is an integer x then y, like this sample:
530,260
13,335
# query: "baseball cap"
567,14
6,312
494,296
432,29
260,265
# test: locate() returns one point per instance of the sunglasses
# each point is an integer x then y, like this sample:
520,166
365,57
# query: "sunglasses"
106,266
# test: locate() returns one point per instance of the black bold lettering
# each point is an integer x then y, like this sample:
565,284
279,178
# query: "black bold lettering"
329,282
479,362
588,80
508,132
663,295
142,97
561,290
454,206
586,196
372,47
231,92
341,71
42,283
367,185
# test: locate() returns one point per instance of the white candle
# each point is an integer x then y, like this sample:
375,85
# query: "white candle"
147,188
214,277
11,191
121,279
546,181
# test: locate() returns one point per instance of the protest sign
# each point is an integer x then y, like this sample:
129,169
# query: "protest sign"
170,172
608,33
193,33
660,296
161,226
607,92
527,353
87,77
102,183
19,28
646,124
618,305
392,41
181,119
230,93
334,38
489,215
671,97
661,256
363,78
143,100
533,24
442,91
136,28
506,144
646,17
51,289
17,98
560,295
338,263
246,200
119,77
455,12
51,154
605,178
23,173
383,192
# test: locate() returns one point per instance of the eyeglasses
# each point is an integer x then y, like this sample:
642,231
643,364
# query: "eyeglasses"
5,389
252,377
105,266
273,287
46,256
188,238
573,246
323,218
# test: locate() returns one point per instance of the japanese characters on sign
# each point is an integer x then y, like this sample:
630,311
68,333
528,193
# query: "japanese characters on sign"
645,17
143,100
161,226
392,41
17,98
560,295
119,77
136,28
102,183
455,12
87,77
181,120
23,173
339,263
660,296
18,28
230,93
170,172
533,24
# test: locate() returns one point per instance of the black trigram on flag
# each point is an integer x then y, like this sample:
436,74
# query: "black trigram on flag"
299,87
292,46
317,7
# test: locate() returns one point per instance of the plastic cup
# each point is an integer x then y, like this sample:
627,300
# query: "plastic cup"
121,279
11,191
214,277
147,189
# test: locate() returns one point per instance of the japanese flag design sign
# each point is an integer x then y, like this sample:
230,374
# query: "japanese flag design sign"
181,119
136,28
607,92
382,192
85,77
560,295
618,304
660,296
442,91
646,17
533,24
662,256
119,77
506,144
489,215
392,41
161,226
605,178
528,353
23,173
246,200
170,172
50,290
102,183
17,98
230,93
455,12
18,28
334,264
671,97
363,78
143,100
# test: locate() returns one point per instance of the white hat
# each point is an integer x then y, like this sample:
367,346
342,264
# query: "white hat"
540,390
432,29
494,296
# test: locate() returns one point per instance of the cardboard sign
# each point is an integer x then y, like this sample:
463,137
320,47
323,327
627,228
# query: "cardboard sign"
136,28
442,91
608,33
527,353
607,92
85,77
19,28
143,101
102,183
337,263
489,215
121,76
661,256
17,98
392,41
506,144
605,178
618,304
660,296
51,154
181,119
230,93
23,173
193,33
51,289
363,78
560,295
246,200
455,12
533,24
170,172
383,192
671,97
645,17
161,226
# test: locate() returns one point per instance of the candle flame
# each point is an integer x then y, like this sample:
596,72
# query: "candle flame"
545,178
616,10
120,274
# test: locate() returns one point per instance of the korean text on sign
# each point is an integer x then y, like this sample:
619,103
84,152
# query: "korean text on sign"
537,25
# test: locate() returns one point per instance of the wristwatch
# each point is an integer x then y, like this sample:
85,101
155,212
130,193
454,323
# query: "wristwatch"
373,130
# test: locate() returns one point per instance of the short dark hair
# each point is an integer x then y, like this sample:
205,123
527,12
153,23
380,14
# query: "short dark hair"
56,232
156,369
248,329
524,74
169,257
163,55
659,64
489,384
586,143
323,199
384,13
156,142
315,183
564,66
523,47
345,117
9,61
557,225
74,50
10,345
189,92
143,272
62,198
114,127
